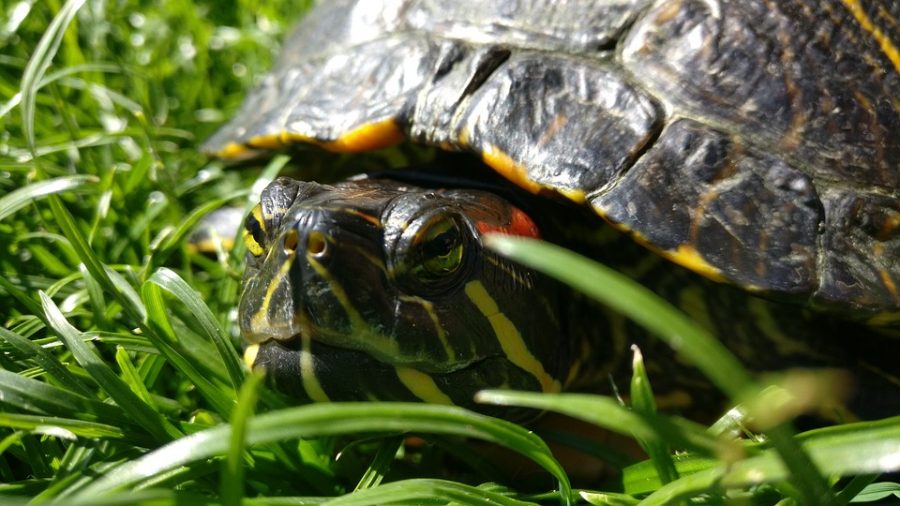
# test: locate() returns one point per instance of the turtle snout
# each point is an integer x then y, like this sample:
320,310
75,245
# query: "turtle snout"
273,299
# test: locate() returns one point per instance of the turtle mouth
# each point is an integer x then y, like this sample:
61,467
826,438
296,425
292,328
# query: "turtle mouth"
323,351
322,372
315,371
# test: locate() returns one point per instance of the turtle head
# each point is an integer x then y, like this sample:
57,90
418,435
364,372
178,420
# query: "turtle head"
373,289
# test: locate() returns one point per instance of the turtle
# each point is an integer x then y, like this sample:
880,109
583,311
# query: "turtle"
742,158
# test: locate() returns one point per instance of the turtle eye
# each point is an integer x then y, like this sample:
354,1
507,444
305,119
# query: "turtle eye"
438,250
255,232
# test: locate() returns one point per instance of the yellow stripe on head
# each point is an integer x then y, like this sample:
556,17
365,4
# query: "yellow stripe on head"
257,215
255,231
384,345
509,337
428,307
260,320
252,244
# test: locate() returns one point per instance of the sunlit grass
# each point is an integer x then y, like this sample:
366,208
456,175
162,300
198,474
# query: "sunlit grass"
120,381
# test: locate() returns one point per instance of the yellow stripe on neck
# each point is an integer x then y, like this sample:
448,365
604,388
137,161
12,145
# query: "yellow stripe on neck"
250,355
308,373
422,386
509,337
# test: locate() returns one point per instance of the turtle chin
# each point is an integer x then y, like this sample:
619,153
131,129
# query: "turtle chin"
331,373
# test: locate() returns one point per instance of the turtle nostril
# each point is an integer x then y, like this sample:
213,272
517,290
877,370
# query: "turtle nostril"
316,244
290,242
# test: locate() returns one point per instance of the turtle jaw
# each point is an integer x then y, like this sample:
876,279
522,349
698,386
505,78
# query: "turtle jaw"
317,372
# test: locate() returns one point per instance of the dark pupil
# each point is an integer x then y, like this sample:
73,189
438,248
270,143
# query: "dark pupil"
441,250
441,245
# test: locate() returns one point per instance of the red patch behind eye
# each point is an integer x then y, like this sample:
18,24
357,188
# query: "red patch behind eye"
519,224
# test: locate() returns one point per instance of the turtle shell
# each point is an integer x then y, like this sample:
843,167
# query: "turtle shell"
755,142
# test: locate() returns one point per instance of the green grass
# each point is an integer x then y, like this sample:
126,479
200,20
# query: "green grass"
119,369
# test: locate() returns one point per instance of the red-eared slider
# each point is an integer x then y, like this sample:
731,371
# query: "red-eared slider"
754,142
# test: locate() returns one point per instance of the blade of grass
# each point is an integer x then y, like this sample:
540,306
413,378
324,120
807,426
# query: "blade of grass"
38,397
878,491
27,302
607,499
606,412
131,376
331,419
143,414
21,197
45,360
642,478
634,301
864,448
674,327
171,242
97,269
642,401
381,464
856,486
39,63
232,487
60,427
126,294
161,497
98,301
170,281
426,491
163,339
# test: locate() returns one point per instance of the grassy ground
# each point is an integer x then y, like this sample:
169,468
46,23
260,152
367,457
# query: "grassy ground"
118,362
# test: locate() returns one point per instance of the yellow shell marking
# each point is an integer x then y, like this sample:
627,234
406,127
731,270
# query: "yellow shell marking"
684,255
518,174
509,337
232,151
422,386
688,256
210,245
272,141
367,137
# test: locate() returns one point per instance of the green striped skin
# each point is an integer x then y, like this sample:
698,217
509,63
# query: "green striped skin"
373,289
